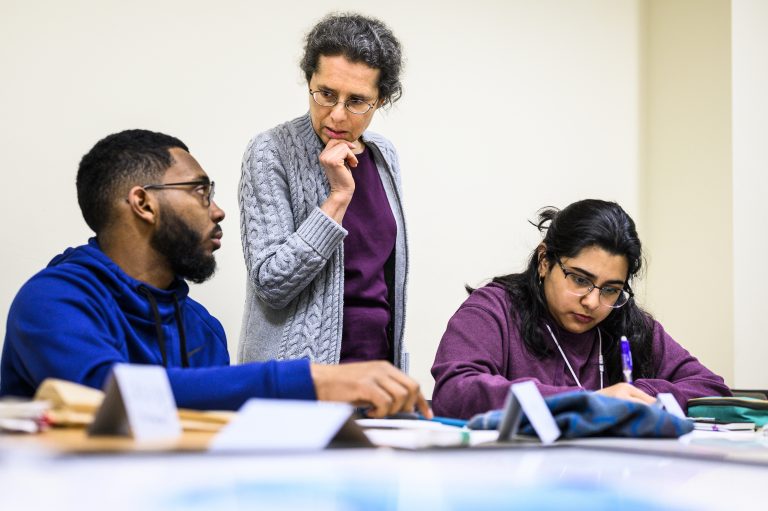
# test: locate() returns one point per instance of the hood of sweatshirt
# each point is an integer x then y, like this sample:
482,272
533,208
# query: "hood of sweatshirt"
91,257
161,311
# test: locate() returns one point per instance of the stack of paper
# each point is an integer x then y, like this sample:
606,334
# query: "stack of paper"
705,424
72,404
22,416
419,434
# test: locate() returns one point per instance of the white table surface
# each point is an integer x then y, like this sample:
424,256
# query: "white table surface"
557,478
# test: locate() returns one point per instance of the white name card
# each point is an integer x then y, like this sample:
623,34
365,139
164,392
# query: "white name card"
525,398
138,402
276,424
671,404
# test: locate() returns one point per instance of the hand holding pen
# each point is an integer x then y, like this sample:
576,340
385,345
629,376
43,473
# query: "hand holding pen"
626,359
626,390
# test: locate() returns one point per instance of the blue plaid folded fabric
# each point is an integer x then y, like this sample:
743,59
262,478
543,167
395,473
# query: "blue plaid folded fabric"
582,414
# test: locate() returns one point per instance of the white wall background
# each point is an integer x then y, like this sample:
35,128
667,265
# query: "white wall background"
508,106
750,186
686,199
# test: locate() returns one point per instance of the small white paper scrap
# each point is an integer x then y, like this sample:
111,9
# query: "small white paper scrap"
138,401
275,424
537,411
671,404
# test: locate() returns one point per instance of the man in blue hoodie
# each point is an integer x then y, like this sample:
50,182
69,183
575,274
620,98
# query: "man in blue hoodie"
122,298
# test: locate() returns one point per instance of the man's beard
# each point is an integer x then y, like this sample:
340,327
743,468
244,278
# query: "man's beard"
183,248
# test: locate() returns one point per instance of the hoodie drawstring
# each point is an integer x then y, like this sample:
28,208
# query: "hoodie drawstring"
159,327
182,334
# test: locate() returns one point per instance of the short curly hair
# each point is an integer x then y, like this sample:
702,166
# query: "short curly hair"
359,39
115,164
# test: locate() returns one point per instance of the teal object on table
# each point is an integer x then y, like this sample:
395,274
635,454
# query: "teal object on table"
730,409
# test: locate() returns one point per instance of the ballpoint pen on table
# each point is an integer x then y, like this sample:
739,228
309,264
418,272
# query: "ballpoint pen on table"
626,359
448,421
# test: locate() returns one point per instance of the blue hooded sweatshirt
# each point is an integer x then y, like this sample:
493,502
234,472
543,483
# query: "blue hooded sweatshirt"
82,314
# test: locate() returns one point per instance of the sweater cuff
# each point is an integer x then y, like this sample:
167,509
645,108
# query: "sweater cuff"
321,232
294,380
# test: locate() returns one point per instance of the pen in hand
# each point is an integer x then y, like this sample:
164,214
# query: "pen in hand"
626,359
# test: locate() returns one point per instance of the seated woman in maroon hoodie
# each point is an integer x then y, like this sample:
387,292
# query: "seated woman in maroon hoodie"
559,323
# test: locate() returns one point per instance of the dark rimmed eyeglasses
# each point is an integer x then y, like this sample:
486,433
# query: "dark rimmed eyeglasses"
579,285
202,187
329,99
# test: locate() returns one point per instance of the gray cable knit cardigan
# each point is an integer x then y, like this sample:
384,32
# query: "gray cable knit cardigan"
294,252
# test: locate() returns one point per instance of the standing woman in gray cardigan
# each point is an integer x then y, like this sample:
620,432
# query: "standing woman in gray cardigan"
321,210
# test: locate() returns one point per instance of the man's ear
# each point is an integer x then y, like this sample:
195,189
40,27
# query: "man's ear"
541,254
142,204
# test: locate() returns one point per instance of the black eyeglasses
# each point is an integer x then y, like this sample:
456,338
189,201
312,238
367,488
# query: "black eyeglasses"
203,187
329,99
579,285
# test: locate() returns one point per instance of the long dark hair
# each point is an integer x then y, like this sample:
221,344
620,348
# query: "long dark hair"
583,224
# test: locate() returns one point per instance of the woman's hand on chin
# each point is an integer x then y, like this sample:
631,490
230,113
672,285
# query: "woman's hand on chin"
337,159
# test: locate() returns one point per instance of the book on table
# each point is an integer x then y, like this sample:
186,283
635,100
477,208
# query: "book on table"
711,424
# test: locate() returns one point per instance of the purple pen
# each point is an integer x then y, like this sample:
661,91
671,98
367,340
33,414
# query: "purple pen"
626,359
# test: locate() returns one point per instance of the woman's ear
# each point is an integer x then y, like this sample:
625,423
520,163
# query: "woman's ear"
142,204
541,254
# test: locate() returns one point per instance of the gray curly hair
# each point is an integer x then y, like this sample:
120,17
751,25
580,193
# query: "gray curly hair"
359,39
